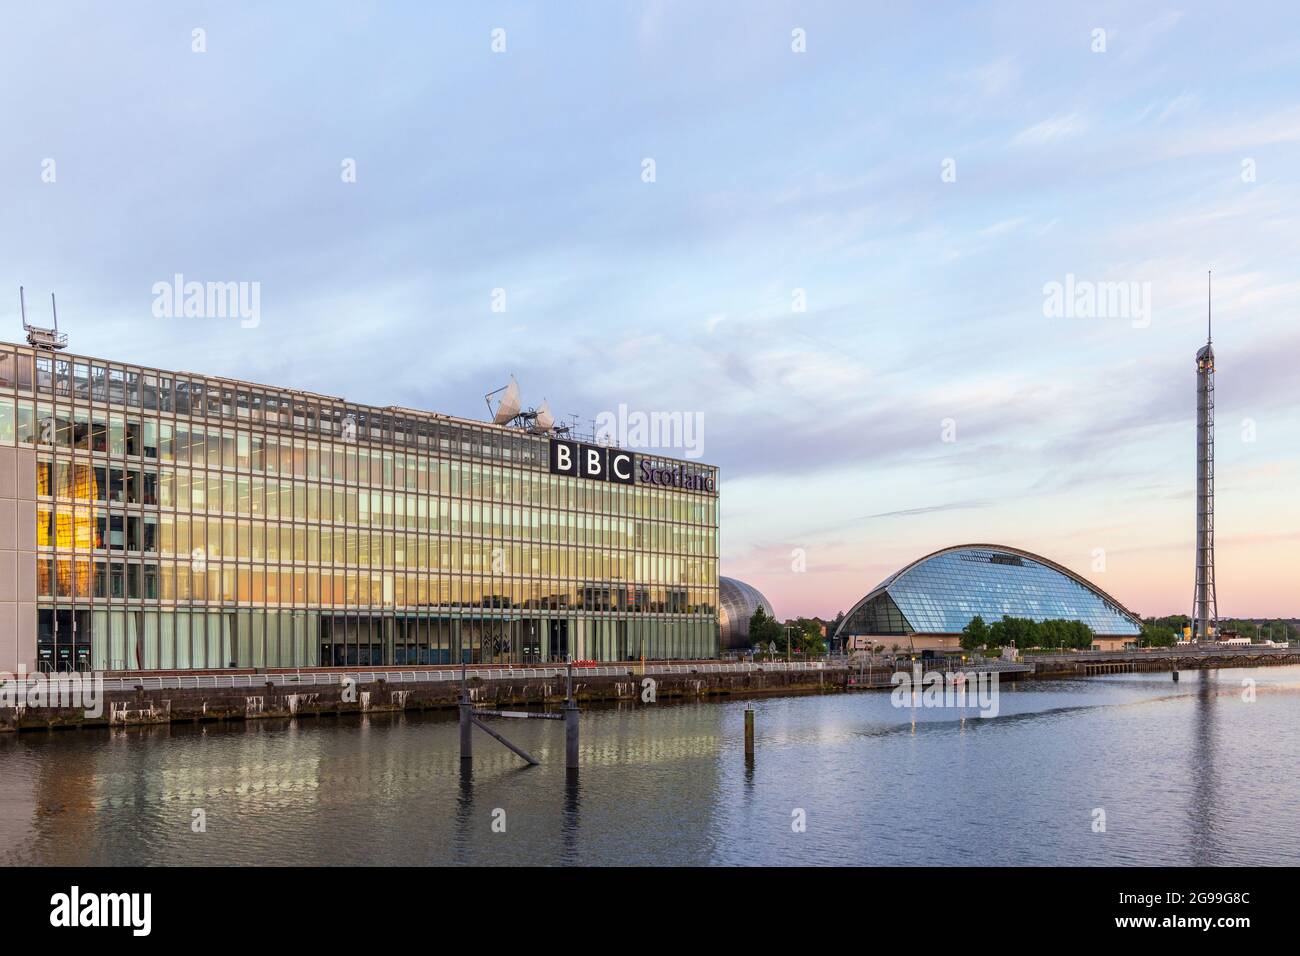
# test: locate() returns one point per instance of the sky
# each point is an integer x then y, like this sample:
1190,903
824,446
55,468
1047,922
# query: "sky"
827,232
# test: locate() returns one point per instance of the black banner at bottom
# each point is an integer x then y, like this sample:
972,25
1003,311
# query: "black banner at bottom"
336,906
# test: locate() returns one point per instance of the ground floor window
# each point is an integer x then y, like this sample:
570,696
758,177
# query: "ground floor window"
124,638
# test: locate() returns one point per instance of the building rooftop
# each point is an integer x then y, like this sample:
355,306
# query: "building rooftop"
70,375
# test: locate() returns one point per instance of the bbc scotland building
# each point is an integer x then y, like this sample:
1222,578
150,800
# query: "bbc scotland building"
167,520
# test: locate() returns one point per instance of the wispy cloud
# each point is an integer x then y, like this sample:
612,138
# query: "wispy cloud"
919,296
1051,130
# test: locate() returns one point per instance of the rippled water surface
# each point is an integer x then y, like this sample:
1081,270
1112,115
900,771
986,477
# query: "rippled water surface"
1186,773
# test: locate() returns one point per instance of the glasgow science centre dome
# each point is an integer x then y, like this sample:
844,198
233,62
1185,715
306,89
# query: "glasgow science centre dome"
932,599
737,602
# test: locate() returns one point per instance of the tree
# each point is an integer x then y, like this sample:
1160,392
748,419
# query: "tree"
1173,622
1054,634
1079,635
808,634
1155,635
975,634
1020,631
764,630
1024,632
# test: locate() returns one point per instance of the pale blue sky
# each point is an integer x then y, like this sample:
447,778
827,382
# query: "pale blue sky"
775,171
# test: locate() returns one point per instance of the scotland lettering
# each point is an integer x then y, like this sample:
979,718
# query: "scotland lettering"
675,478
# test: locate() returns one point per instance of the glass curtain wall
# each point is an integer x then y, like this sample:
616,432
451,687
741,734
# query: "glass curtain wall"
190,522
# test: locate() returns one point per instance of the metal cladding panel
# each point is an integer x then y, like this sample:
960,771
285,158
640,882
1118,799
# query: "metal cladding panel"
737,602
17,558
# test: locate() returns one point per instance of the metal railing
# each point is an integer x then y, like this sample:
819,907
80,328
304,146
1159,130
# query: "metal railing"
322,678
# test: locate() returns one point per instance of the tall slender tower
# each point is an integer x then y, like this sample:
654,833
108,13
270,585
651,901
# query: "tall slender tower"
1205,610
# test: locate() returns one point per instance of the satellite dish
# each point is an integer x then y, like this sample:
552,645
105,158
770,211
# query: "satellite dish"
545,420
508,407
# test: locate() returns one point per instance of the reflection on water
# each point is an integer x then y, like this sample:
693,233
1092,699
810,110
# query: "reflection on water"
1187,773
1203,827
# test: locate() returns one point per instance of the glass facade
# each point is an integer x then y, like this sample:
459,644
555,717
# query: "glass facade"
940,594
184,521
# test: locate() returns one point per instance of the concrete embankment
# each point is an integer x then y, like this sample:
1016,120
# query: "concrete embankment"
1139,662
154,698
320,694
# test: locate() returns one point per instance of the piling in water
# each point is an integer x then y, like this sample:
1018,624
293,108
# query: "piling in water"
571,736
466,731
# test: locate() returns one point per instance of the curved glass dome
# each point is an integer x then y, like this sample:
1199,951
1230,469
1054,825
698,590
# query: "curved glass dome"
737,602
940,593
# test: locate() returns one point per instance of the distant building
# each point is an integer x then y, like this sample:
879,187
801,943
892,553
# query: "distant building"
925,605
737,602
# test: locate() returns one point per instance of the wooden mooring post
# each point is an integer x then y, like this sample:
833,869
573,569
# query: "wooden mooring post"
466,718
570,722
749,733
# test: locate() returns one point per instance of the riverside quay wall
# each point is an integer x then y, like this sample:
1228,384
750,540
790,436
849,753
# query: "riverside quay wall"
1139,659
161,697
176,698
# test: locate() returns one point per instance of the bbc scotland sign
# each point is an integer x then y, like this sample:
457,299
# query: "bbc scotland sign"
578,460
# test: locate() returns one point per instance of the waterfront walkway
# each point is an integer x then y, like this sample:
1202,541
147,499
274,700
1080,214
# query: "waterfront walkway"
250,679
854,674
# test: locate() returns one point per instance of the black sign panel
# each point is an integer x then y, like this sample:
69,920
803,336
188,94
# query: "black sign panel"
579,460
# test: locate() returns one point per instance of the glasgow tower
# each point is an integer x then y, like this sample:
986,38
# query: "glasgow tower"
1204,605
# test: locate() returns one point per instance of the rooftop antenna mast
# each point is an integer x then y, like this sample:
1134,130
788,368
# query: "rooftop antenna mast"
48,339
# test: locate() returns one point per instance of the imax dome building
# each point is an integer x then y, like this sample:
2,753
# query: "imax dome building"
737,602
925,605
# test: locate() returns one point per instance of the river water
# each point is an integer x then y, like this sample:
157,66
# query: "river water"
1184,773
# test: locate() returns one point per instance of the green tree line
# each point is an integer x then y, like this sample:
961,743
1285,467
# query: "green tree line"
1165,631
1023,632
805,633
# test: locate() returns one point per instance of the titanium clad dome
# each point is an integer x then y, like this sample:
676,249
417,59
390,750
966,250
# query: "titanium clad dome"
940,593
737,602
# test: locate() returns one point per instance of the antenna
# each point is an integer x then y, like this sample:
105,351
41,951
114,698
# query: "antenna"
1209,306
545,420
509,410
508,406
49,339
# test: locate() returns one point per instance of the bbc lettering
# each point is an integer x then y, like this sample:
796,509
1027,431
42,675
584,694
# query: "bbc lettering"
577,460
